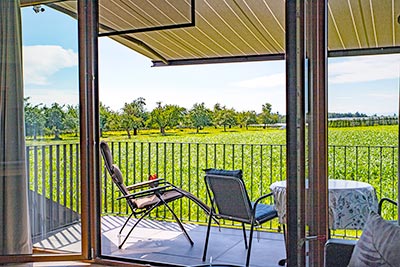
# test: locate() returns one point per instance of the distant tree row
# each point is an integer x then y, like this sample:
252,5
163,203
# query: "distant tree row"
133,116
363,121
346,115
42,120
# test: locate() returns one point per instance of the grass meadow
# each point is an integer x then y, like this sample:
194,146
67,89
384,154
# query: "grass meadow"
366,154
208,135
386,135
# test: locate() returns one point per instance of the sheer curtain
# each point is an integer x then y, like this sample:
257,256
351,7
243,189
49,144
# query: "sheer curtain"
15,234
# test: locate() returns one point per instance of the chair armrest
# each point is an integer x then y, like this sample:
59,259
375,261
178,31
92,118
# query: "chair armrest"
261,198
143,184
144,192
338,252
381,204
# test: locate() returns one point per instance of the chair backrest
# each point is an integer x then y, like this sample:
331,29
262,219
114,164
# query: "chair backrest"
228,194
107,156
114,171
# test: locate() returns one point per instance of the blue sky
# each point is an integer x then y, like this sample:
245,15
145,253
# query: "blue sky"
367,84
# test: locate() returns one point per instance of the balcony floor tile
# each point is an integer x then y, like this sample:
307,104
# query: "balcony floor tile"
164,242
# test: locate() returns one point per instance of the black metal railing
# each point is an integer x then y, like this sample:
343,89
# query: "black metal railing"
182,164
54,182
54,174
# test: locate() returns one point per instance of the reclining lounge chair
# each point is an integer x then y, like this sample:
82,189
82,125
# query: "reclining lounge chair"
152,194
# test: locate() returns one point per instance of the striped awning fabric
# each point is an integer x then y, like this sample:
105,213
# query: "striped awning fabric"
165,30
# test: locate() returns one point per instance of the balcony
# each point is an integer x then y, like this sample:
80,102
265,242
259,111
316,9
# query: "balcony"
54,175
160,241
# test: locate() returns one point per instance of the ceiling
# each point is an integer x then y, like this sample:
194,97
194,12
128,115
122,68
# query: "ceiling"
205,31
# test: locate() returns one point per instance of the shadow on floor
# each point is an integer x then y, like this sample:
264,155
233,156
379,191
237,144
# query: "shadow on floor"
163,242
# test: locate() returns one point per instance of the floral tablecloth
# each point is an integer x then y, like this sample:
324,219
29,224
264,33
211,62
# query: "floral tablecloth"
350,203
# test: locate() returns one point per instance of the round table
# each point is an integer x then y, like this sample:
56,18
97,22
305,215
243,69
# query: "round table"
350,202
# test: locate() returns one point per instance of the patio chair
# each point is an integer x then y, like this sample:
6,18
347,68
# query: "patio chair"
380,205
230,201
152,194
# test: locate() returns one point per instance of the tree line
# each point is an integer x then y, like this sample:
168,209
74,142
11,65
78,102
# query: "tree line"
41,120
363,121
347,115
133,117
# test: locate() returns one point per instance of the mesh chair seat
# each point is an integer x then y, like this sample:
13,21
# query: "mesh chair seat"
264,212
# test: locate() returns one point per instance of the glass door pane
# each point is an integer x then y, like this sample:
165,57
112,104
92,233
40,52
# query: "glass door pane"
50,54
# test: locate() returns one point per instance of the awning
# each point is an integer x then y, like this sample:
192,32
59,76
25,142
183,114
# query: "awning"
209,31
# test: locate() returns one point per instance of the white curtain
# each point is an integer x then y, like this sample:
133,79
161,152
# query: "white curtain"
15,234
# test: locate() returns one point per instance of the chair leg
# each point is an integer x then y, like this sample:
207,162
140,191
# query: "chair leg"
250,243
180,224
244,236
136,223
126,222
282,262
207,236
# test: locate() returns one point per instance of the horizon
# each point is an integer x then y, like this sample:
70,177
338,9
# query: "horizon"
364,84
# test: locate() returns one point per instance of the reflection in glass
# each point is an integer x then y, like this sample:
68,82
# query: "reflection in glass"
52,128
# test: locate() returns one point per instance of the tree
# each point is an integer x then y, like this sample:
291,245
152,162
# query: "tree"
245,118
71,120
35,119
266,117
55,119
275,117
199,116
167,115
216,110
105,115
133,116
225,117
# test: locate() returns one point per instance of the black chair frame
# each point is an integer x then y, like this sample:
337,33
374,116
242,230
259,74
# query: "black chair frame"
164,191
383,200
249,211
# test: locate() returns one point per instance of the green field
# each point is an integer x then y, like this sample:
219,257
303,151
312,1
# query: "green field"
367,135
366,154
